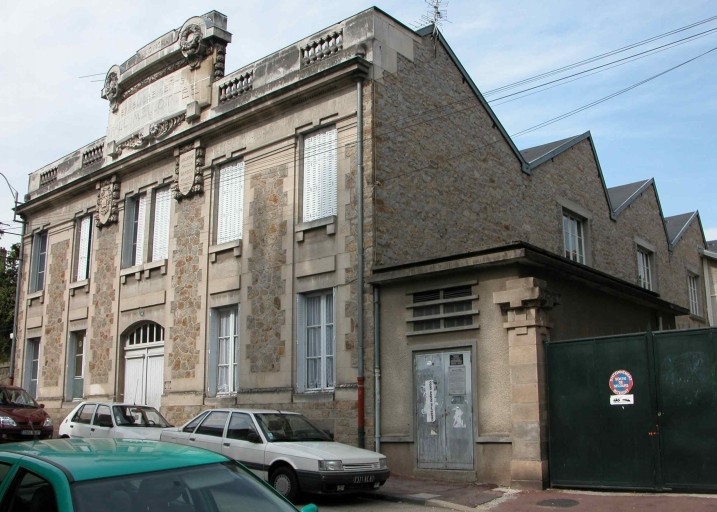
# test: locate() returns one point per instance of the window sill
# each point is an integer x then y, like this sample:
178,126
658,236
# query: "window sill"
144,268
36,296
234,245
328,222
78,285
314,396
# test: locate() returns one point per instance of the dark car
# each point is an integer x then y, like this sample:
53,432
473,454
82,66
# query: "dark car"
21,417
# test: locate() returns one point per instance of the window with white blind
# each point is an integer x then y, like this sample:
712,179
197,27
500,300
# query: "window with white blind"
230,202
693,287
84,245
573,237
316,344
133,239
137,224
320,174
644,268
160,224
38,262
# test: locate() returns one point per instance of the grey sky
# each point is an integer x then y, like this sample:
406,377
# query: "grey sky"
664,129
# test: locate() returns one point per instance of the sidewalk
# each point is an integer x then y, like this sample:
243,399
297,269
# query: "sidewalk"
476,497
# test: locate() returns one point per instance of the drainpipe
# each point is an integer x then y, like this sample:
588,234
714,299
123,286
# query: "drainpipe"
377,367
13,345
359,262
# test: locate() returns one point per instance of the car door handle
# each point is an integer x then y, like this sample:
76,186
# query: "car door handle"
227,444
92,430
191,439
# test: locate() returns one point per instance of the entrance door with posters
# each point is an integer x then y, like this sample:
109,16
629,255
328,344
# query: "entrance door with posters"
444,410
144,375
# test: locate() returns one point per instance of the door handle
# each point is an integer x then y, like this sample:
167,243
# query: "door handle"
191,438
226,444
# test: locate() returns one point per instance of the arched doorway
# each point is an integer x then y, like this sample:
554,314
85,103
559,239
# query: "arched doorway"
144,364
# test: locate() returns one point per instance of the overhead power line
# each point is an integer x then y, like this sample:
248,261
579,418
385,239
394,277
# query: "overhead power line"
597,57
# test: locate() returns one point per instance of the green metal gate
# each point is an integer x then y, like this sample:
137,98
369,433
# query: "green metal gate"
634,412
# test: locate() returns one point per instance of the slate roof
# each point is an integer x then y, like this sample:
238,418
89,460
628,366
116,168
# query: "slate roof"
534,153
677,224
623,195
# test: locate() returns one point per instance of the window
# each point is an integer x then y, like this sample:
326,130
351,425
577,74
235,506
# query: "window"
133,245
84,414
30,492
39,262
230,203
693,286
84,242
644,268
448,308
135,227
241,427
214,423
160,226
320,170
75,363
574,237
32,365
316,343
228,350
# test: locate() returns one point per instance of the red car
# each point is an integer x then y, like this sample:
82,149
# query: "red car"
21,417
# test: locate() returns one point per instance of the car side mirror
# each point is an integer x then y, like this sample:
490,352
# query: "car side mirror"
42,406
253,437
329,433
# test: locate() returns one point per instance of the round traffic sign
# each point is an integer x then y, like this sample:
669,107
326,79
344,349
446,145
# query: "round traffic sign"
621,382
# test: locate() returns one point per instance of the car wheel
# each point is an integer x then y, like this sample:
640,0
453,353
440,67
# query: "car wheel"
284,480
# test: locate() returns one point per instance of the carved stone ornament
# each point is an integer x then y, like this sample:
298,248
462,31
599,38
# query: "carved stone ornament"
108,192
155,132
111,90
190,42
188,177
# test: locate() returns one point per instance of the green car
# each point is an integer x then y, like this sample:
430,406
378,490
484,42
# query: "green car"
108,475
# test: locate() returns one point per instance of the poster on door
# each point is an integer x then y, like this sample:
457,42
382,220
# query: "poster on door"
429,408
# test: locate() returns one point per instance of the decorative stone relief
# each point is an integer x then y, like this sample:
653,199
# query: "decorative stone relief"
155,132
190,42
108,192
111,90
220,59
188,179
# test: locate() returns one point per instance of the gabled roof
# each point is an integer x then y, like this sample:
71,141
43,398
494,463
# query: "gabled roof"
537,152
429,31
678,224
622,196
538,155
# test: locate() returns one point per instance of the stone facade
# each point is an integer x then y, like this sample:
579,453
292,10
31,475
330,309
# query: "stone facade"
448,202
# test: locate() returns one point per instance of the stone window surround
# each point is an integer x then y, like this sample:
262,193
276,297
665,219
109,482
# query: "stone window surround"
302,227
693,274
642,245
570,207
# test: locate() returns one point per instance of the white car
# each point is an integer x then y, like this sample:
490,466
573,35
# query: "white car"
285,449
115,420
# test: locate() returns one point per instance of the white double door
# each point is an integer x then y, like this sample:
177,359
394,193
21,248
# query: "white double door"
144,375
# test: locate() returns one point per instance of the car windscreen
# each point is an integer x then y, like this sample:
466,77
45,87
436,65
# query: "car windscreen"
138,416
289,427
16,398
220,487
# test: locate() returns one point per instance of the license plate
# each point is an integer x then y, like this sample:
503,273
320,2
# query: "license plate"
365,479
30,432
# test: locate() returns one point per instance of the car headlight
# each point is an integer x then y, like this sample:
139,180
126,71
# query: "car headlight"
7,421
330,465
383,463
48,422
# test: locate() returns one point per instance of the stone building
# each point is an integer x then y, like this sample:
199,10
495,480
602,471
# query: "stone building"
338,228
